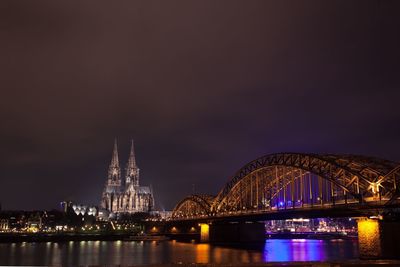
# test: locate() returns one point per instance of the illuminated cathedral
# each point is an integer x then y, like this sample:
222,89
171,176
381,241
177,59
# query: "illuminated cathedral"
125,195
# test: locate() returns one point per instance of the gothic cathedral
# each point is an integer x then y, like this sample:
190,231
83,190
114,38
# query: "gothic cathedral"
125,196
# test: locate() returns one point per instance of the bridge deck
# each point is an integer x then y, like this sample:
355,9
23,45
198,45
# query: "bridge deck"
351,209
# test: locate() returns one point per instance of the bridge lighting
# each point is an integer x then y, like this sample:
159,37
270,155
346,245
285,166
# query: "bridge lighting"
368,233
374,187
379,217
204,232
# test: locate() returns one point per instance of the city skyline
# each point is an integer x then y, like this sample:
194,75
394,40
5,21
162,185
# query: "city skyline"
201,99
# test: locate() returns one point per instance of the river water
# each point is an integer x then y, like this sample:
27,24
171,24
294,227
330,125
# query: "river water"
151,252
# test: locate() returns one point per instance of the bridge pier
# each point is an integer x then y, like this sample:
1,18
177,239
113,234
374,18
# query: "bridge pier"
238,232
378,239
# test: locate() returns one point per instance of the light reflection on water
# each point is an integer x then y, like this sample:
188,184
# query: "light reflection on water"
309,250
143,253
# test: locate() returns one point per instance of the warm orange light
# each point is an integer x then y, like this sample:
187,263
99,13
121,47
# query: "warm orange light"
174,230
204,232
202,253
369,237
368,227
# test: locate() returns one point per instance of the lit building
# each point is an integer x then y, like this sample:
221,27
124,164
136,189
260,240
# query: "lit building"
84,210
4,225
125,196
34,223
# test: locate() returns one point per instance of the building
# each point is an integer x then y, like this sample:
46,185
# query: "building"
125,195
4,225
34,223
84,210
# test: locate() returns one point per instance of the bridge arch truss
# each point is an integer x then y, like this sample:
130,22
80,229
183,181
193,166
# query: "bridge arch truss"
296,180
193,206
292,179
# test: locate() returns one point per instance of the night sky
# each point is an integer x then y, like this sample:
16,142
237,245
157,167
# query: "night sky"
201,86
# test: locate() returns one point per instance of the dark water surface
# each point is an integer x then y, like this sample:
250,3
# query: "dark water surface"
141,253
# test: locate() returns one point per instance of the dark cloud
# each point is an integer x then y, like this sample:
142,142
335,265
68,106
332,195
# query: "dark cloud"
202,87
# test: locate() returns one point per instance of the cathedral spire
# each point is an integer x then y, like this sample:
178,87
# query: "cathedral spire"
132,170
114,160
114,171
132,159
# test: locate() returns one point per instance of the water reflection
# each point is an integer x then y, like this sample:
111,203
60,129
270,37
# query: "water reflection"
309,250
144,253
202,253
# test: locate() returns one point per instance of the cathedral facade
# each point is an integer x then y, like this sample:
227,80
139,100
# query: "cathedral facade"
125,195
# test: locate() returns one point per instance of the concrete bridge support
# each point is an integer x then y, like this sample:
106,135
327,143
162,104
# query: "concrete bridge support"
378,239
240,232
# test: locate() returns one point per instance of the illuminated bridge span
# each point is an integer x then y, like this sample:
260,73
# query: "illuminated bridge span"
295,181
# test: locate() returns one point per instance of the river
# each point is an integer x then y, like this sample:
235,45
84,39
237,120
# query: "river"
75,253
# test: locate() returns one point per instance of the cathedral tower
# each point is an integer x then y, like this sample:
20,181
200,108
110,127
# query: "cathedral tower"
114,170
112,197
132,170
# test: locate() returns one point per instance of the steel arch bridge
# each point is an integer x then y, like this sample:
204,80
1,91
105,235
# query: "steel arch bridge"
294,181
194,205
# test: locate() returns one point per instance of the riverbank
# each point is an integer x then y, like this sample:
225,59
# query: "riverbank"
310,235
61,237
